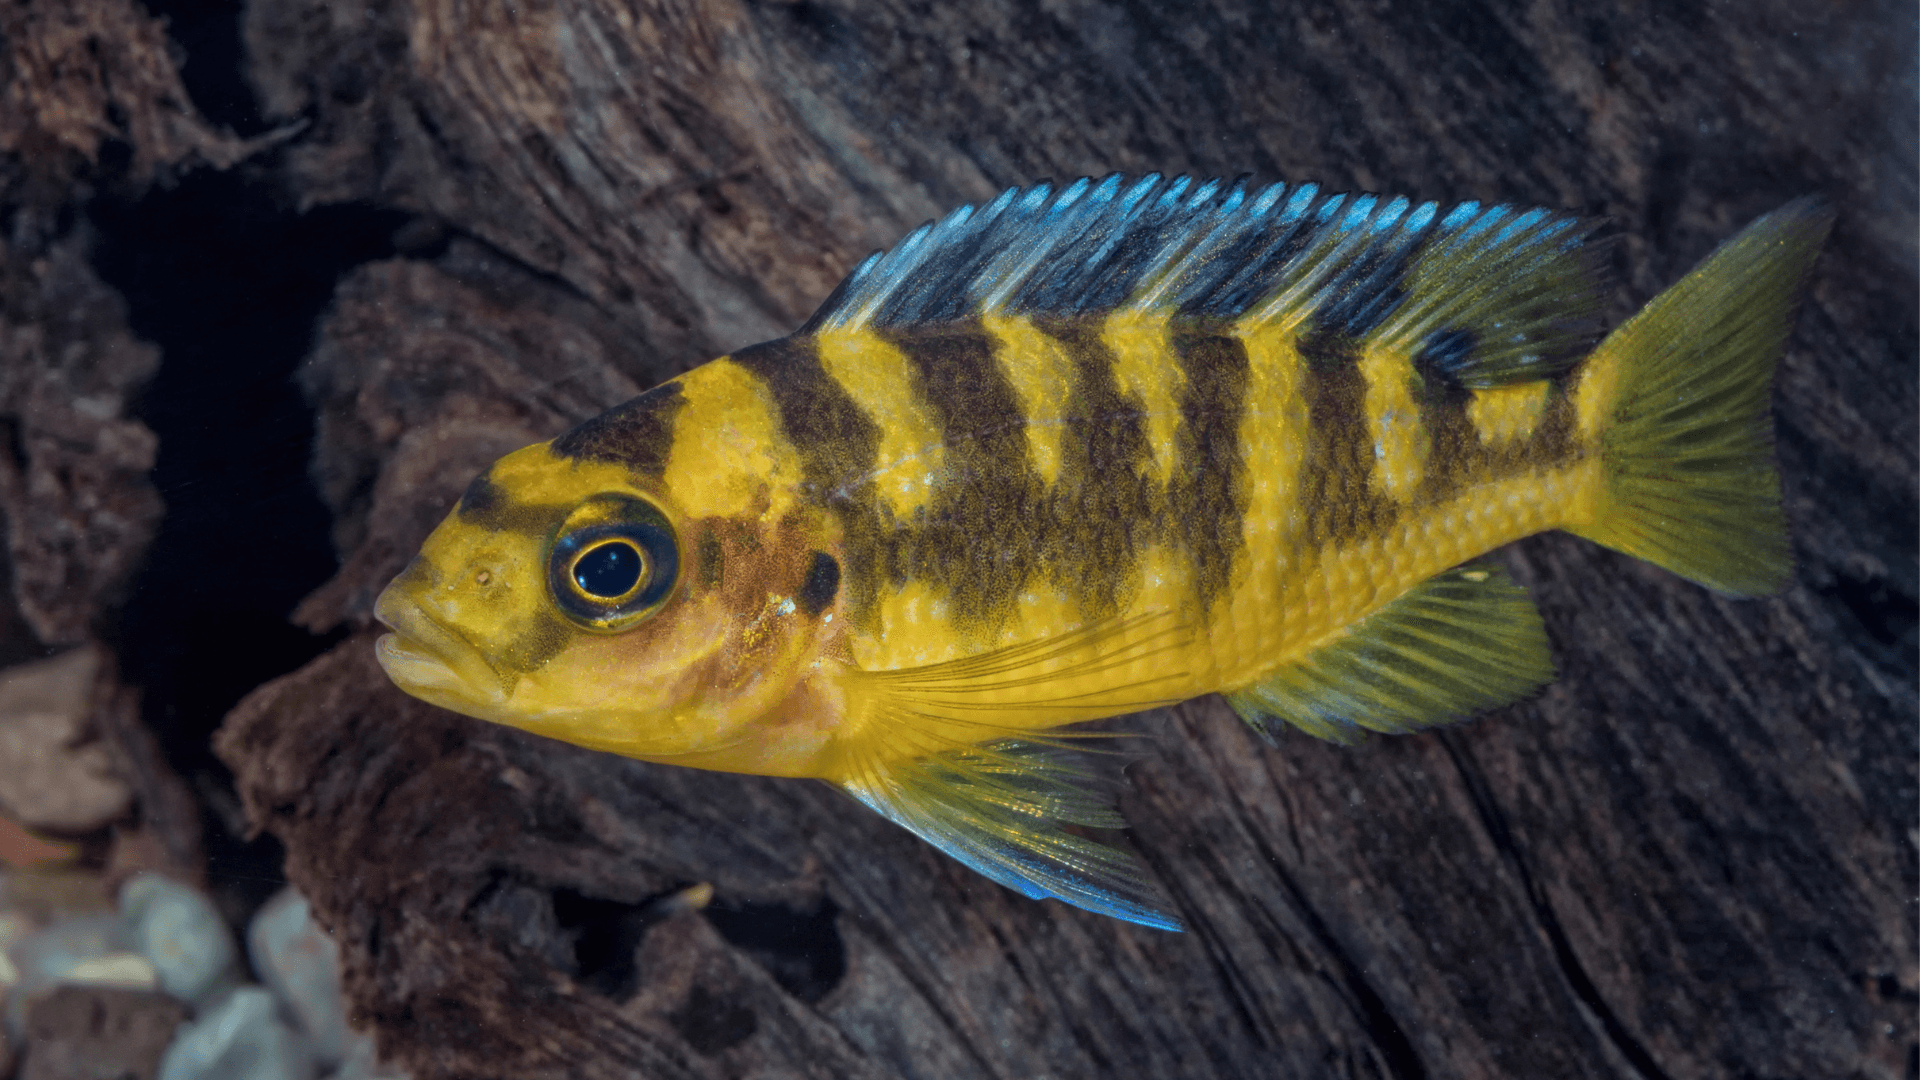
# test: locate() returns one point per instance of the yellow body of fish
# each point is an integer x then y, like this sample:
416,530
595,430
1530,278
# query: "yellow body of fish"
1087,451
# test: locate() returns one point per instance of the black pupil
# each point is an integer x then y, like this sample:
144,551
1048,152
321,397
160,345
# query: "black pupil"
608,571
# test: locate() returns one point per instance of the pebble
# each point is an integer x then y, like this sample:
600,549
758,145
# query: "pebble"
68,960
41,960
123,969
47,894
13,927
50,776
294,957
181,934
240,1037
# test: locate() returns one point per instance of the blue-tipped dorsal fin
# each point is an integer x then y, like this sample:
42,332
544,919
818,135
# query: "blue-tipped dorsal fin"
1487,295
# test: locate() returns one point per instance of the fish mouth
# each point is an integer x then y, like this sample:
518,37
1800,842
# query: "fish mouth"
431,661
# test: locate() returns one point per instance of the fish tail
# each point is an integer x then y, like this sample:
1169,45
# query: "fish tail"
1678,400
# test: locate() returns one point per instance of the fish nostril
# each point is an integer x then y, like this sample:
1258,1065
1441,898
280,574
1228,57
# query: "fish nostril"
483,577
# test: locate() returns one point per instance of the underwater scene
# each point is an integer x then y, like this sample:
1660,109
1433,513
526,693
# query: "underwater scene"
1038,539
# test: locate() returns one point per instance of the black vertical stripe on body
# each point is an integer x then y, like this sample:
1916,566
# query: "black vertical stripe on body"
980,537
1554,442
837,442
838,446
1204,500
1104,508
637,434
1338,500
1455,455
1459,456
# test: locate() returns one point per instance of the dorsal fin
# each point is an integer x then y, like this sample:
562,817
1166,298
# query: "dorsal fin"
1488,295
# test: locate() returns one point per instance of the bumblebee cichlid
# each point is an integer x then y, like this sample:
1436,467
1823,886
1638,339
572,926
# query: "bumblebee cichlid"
1091,450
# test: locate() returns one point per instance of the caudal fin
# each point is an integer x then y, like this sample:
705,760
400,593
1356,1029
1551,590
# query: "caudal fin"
1680,398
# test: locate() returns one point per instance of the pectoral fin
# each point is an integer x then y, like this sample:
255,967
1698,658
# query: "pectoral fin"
1102,669
1456,644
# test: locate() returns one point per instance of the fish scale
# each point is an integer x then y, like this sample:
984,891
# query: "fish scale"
1087,451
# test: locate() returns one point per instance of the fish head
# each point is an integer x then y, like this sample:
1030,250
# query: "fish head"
572,598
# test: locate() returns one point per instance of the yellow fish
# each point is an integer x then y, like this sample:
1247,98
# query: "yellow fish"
1087,451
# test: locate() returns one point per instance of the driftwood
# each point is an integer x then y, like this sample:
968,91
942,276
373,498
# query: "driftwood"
91,106
1692,856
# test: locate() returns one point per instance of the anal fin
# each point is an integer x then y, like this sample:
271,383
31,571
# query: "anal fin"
1458,643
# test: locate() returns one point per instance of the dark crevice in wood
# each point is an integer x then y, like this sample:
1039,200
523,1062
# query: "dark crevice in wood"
802,950
1493,820
1396,1050
229,282
208,34
605,935
1221,960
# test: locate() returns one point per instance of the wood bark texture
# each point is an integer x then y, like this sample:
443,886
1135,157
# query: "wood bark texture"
91,103
79,86
1693,856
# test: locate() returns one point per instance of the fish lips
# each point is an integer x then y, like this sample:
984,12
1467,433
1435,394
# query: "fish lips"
430,661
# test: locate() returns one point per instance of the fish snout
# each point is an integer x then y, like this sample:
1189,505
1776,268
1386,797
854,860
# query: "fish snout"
426,657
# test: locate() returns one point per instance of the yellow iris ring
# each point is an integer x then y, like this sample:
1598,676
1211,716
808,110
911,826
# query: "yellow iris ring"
593,526
640,580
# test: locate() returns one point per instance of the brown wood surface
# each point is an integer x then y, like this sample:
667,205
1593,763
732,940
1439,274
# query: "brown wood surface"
1693,856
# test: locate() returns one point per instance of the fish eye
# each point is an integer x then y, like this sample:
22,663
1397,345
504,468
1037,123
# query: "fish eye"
614,561
610,570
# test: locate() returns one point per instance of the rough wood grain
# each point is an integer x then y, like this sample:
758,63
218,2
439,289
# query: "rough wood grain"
74,494
1690,858
90,97
90,103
